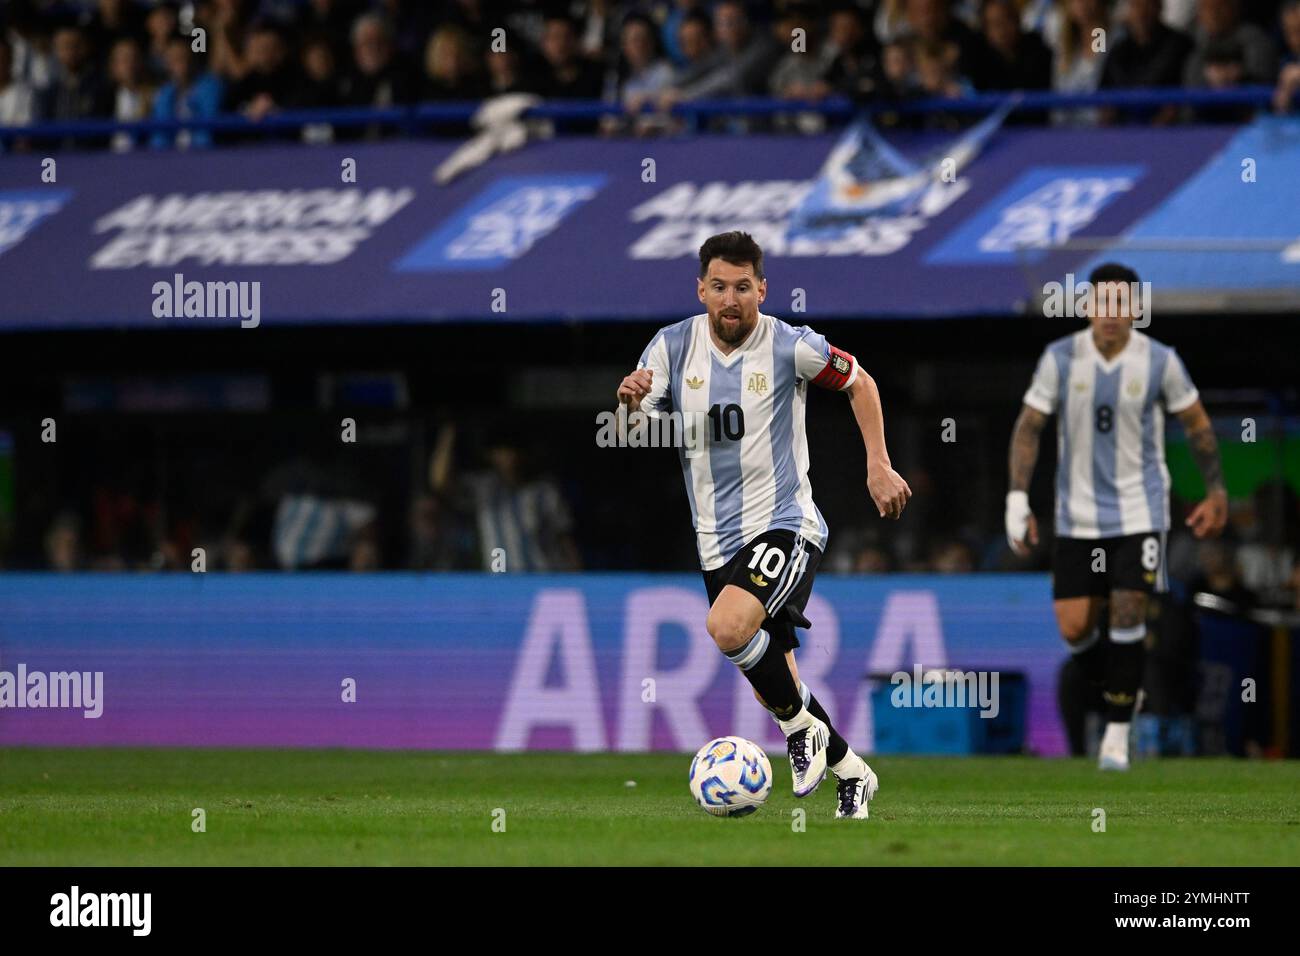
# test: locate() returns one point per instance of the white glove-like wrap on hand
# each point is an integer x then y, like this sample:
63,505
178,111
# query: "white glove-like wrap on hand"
1017,517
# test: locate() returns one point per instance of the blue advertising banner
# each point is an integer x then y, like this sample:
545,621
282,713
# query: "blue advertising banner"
576,662
600,229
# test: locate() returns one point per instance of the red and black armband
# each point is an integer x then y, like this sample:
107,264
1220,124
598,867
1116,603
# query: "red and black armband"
839,371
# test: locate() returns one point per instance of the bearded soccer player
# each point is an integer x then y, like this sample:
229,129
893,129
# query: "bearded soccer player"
759,534
1110,387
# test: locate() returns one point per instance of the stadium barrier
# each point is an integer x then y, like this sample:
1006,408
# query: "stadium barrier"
414,118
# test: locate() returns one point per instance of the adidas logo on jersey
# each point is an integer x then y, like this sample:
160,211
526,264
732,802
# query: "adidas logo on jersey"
695,382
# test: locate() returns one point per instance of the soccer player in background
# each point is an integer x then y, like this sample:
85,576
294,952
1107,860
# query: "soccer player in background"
745,376
1110,387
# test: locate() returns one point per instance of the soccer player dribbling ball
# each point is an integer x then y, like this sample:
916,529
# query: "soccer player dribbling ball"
1110,387
759,534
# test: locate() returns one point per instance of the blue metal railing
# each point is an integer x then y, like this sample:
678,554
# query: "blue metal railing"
412,119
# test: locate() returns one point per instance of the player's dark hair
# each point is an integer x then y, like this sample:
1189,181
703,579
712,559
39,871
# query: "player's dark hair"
1113,272
738,248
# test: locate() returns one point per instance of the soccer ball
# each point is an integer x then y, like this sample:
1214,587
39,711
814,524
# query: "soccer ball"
730,777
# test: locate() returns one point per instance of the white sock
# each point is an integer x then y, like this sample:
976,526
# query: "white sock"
849,768
800,721
1116,736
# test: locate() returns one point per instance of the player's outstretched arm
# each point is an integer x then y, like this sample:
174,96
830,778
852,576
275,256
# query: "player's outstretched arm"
888,489
1022,527
1207,518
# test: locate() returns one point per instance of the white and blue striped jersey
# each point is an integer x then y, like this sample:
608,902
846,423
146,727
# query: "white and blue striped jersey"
1111,477
752,474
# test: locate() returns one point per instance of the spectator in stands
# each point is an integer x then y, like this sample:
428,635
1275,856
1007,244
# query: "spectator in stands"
34,65
801,74
565,72
330,20
524,523
1179,14
472,17
365,553
855,67
931,21
269,80
700,56
526,20
640,75
378,77
1288,81
1268,528
872,559
318,87
890,23
1223,65
17,99
410,23
898,66
936,70
111,21
439,540
133,92
600,30
63,548
1220,20
189,94
671,32
952,557
1147,54
1218,575
227,25
161,24
238,555
78,91
505,72
450,71
740,64
1080,58
1008,57
642,72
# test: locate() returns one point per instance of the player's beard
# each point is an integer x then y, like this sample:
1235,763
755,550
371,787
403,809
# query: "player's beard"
732,333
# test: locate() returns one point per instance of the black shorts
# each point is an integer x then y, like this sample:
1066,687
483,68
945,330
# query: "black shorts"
1135,562
778,568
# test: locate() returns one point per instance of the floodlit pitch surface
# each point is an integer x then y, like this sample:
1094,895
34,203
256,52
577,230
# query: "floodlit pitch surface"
301,807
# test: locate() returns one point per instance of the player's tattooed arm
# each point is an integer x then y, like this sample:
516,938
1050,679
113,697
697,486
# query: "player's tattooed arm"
1207,518
1025,438
1127,608
1204,445
887,488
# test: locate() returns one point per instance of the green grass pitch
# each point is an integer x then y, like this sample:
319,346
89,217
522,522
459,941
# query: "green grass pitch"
323,807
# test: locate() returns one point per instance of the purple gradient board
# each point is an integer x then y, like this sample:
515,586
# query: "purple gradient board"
483,661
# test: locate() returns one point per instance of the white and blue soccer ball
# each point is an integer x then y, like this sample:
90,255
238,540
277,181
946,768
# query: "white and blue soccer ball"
730,777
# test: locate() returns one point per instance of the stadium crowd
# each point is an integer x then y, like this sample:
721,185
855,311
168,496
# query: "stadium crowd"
501,502
69,60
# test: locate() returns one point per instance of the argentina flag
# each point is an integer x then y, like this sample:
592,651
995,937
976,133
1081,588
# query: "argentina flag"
865,176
